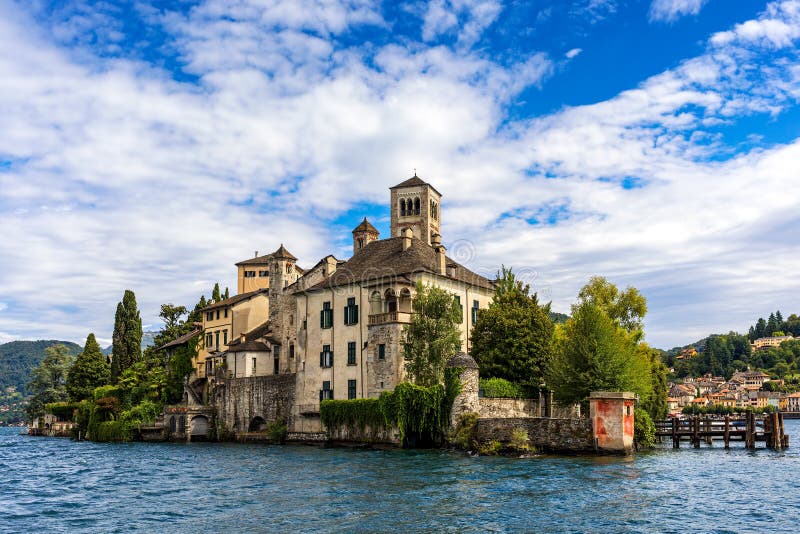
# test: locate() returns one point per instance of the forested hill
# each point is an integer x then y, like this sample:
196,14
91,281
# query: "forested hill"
722,354
19,358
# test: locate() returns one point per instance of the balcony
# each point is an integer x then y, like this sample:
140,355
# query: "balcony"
389,317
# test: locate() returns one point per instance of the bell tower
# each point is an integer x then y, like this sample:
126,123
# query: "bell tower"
416,205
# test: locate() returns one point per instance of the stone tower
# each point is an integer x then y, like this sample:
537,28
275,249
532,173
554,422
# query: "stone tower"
416,205
364,234
282,273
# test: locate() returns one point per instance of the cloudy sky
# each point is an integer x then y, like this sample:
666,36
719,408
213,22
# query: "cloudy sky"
150,145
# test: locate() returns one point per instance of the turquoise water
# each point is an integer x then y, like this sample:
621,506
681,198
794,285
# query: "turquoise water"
51,484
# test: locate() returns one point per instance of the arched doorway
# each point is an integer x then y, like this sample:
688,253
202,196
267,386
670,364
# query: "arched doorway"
199,425
258,424
172,425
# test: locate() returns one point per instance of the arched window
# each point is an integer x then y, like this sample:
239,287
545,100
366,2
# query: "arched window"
416,206
402,207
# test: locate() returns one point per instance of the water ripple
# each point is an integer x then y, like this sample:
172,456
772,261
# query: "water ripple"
56,485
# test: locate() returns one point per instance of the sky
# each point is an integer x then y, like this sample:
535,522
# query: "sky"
150,145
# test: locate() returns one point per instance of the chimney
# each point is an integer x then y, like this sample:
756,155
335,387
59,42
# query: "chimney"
441,257
242,337
407,234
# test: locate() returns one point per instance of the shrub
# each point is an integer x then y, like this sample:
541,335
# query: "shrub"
500,387
519,440
491,448
644,430
277,431
464,433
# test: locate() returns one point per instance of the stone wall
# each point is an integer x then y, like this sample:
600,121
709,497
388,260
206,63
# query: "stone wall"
239,400
546,434
368,435
501,407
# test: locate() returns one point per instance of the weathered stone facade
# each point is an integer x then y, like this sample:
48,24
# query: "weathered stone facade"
496,407
240,401
547,434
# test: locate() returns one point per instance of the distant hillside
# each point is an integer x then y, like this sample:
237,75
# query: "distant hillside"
147,340
19,358
558,318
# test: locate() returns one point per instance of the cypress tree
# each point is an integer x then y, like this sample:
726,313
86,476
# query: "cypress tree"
89,371
127,348
215,294
227,295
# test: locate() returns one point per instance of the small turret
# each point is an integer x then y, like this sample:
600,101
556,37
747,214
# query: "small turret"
363,234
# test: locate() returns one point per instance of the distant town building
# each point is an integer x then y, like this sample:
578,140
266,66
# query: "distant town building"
765,342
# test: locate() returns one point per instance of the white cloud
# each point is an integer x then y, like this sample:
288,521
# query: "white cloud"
467,18
124,178
573,53
672,10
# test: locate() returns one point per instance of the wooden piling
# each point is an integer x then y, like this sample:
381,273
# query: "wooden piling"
727,431
696,432
709,437
676,440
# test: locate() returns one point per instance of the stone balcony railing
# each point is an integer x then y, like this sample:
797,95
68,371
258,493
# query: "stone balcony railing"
389,317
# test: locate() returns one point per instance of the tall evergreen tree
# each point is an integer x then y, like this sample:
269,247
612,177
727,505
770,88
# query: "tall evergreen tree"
761,328
779,320
215,294
127,338
226,295
772,325
512,339
90,370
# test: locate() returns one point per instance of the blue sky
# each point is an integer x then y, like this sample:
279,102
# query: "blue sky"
151,145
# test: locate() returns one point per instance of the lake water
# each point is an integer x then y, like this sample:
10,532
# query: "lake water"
52,484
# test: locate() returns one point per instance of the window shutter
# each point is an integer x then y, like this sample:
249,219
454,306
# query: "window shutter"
322,319
322,359
346,315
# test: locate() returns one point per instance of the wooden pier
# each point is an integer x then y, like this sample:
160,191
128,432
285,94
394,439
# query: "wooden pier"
747,428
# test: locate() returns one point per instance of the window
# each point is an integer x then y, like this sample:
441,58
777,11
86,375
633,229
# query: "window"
475,307
402,207
288,268
255,366
276,365
216,335
305,324
460,307
225,337
351,353
209,340
210,316
351,389
381,351
226,313
326,356
326,393
291,351
351,312
217,314
249,274
263,274
326,316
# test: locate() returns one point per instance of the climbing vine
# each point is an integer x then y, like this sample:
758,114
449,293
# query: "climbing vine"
421,414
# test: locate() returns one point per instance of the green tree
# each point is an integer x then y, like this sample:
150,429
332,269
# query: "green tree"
432,336
627,307
49,380
90,370
512,339
171,315
127,337
656,402
216,296
596,354
226,295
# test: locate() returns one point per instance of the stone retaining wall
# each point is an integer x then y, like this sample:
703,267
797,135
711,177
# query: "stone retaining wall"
503,407
557,435
240,400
